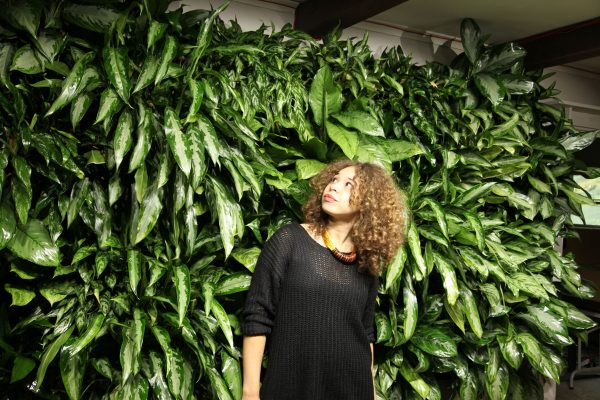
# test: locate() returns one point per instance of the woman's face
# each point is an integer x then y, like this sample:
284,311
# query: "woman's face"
336,196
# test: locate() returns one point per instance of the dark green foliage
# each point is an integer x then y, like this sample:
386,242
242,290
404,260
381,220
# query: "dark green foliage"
145,156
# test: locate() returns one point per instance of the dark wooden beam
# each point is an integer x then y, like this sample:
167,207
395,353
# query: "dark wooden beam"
317,17
562,45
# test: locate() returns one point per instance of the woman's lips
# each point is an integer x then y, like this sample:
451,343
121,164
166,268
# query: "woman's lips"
328,198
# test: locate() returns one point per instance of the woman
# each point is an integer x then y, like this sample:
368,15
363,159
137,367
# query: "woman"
314,287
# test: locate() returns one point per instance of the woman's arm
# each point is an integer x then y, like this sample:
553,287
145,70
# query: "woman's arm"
372,370
252,355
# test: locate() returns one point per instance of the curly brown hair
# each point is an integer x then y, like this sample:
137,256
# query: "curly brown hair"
381,224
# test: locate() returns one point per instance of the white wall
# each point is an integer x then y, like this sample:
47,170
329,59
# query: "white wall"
250,14
580,91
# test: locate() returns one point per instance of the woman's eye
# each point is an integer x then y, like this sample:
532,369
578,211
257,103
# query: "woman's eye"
349,184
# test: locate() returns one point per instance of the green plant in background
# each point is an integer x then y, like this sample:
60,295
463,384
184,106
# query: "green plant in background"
146,155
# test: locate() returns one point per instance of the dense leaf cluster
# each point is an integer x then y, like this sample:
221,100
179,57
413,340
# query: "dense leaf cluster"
146,154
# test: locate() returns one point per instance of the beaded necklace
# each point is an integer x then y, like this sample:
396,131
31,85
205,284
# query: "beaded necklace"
344,257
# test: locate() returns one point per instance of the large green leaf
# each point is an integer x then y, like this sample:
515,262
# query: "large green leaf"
471,310
490,87
149,212
228,212
417,383
8,224
32,242
361,121
72,371
21,368
181,281
435,342
179,143
72,84
49,354
345,139
26,61
446,270
168,54
20,297
471,40
116,67
232,373
223,320
550,327
156,377
134,267
123,139
411,309
96,18
94,327
23,15
306,169
395,268
325,96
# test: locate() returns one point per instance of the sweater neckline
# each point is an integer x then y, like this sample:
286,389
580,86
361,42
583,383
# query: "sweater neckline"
311,239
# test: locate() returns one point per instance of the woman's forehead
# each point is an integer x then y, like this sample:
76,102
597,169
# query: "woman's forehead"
348,172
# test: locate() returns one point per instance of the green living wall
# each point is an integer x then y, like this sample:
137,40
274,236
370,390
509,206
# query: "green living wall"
146,155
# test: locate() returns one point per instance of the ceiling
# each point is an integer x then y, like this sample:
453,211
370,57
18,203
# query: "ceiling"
508,20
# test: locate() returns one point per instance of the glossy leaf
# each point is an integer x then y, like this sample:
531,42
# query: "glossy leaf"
232,374
394,270
155,33
233,283
471,40
26,61
156,377
435,342
415,381
134,268
471,311
228,212
411,309
90,334
306,169
110,103
325,96
32,242
72,370
223,320
71,84
345,139
115,64
181,281
147,74
449,281
49,354
490,88
8,224
79,193
210,139
415,249
22,366
180,144
123,139
361,121
20,297
149,213
97,18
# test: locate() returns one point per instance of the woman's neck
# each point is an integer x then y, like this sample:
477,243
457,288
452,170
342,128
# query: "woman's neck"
339,233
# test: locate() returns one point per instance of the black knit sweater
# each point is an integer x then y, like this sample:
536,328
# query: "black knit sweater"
317,314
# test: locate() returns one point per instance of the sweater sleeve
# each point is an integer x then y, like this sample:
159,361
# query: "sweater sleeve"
262,298
369,312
